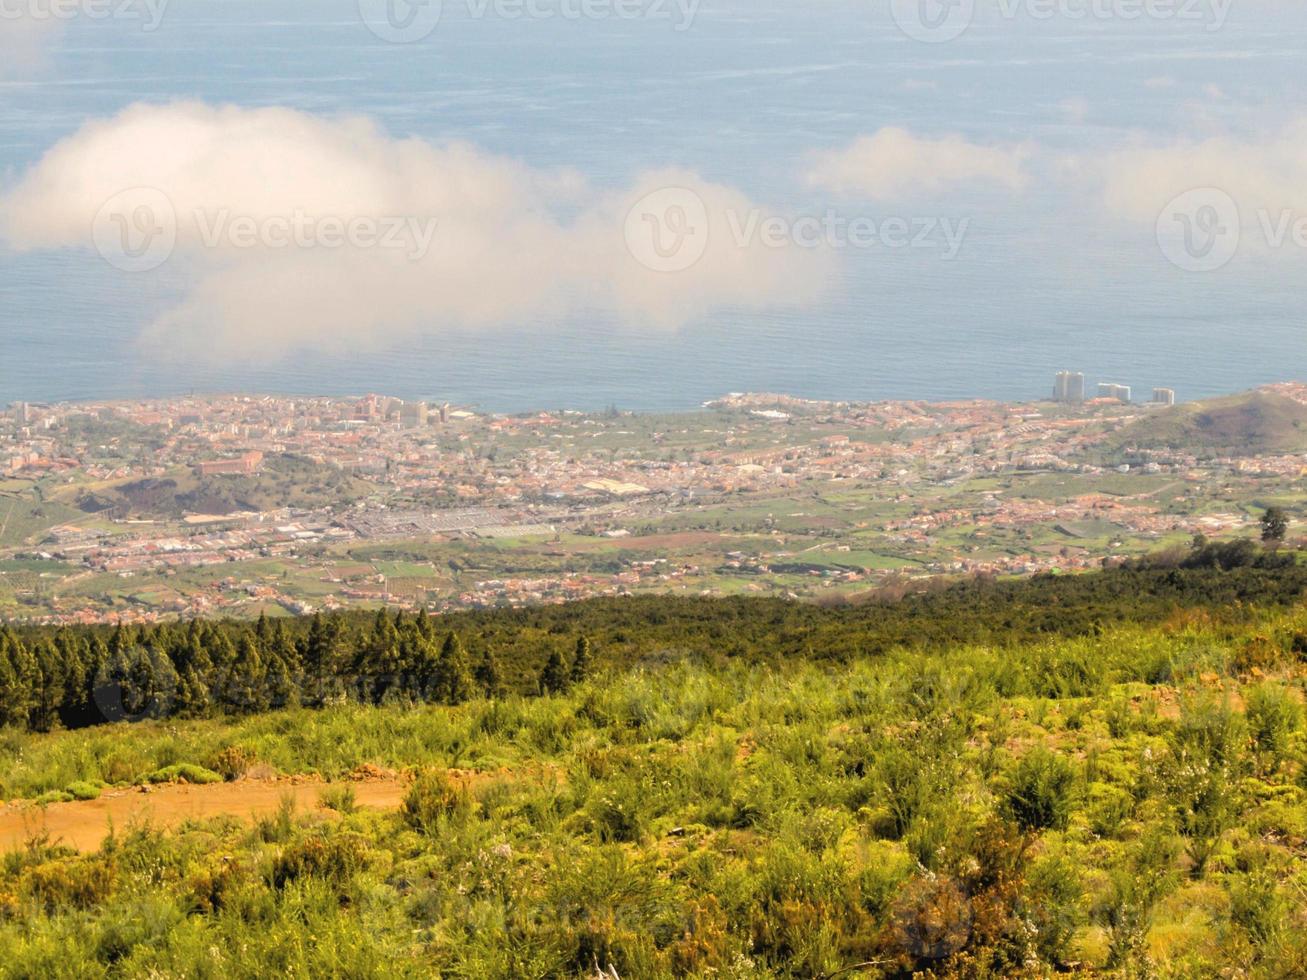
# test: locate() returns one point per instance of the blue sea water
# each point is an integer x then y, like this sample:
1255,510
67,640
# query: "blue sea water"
742,97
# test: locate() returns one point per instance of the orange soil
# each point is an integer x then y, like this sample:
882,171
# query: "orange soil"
85,824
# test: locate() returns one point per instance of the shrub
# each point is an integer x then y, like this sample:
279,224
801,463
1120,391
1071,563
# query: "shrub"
84,790
1055,895
1039,796
80,883
1273,718
279,827
340,798
910,781
1257,906
334,858
183,772
433,800
1108,808
929,920
233,762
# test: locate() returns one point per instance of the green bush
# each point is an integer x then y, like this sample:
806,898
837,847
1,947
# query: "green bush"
233,762
183,772
333,857
1038,796
340,798
83,790
1274,717
435,800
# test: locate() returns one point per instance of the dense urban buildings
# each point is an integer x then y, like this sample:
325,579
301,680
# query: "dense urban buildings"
167,507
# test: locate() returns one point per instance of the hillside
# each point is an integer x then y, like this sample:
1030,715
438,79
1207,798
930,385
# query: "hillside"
1250,424
282,481
1119,794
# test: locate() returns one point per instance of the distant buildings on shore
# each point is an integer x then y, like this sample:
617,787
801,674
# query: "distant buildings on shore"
1069,389
1109,389
410,415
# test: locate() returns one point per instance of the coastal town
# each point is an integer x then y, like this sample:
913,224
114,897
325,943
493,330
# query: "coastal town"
165,508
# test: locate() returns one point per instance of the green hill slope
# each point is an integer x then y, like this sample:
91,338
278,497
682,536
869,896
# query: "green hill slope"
1243,425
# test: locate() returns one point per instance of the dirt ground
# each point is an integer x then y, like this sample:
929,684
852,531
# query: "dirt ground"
85,824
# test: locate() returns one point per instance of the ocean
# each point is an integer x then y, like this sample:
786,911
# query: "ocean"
744,96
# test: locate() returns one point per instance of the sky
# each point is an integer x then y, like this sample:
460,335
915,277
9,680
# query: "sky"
536,202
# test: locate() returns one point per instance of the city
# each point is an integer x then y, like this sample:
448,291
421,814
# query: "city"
243,505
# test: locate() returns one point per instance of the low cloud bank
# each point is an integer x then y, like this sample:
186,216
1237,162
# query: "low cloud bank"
297,231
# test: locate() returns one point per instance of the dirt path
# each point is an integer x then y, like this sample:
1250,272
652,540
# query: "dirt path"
85,824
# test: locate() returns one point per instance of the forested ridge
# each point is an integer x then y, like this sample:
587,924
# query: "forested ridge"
73,677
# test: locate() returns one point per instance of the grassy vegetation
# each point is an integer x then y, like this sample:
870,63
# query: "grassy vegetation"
882,793
1247,425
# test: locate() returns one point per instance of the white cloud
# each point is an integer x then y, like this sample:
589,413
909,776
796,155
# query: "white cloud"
894,163
511,244
1260,173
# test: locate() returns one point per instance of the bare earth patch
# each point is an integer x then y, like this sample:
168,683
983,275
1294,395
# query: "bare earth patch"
85,824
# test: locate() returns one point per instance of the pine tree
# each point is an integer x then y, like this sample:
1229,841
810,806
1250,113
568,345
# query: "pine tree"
379,661
72,652
50,688
282,690
455,678
262,630
283,646
246,688
489,676
425,669
97,663
581,662
13,691
194,698
149,684
554,678
424,627
322,663
1275,525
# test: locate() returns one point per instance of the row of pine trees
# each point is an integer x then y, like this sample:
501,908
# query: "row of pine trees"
74,678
